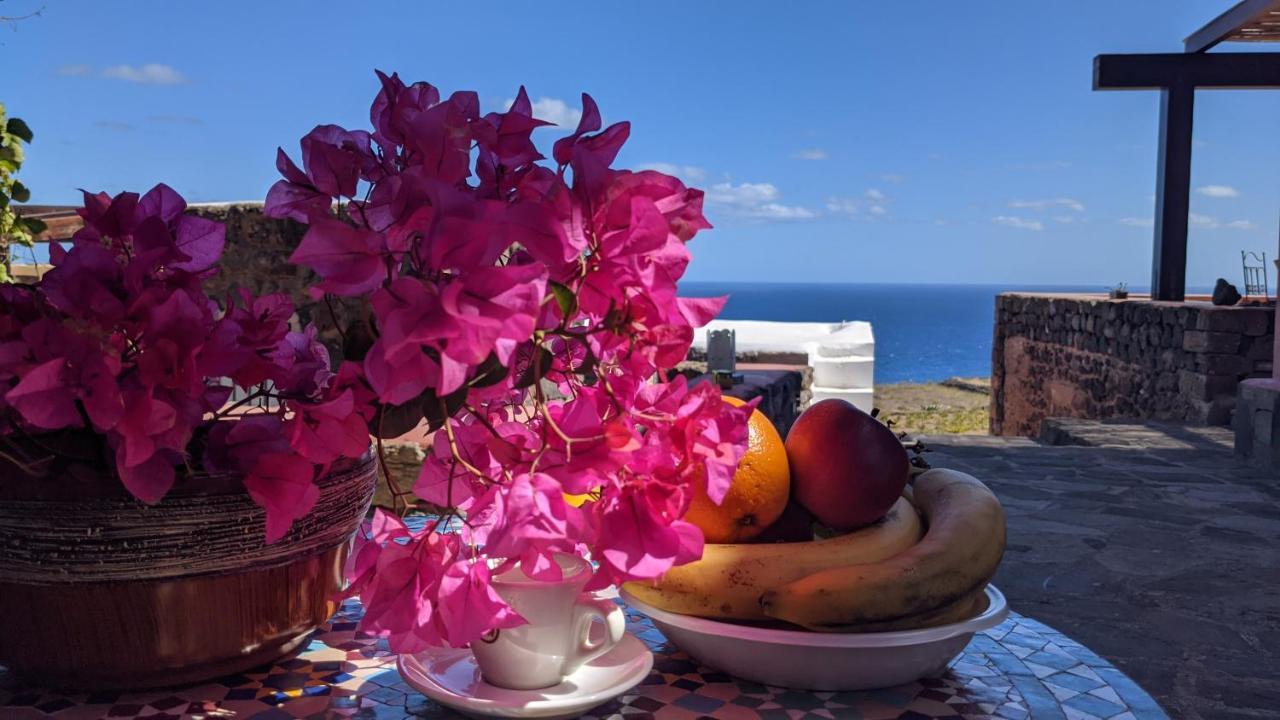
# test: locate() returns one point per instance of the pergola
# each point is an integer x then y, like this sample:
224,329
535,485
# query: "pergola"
1177,76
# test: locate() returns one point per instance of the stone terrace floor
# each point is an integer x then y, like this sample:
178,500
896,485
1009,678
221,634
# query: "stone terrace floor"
1152,545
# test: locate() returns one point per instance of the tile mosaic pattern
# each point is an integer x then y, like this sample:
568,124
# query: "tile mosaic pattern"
1018,670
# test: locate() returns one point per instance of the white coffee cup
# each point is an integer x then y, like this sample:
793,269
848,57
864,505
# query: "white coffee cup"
557,638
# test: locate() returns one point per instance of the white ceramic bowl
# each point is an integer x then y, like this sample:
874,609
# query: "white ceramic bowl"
822,661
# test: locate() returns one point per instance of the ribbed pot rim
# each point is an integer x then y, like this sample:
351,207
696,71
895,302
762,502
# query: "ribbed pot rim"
206,525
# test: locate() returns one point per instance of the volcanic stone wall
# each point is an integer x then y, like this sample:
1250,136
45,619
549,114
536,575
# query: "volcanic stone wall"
1090,357
257,258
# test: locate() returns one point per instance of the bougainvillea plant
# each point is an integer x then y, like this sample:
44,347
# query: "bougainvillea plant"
528,312
117,359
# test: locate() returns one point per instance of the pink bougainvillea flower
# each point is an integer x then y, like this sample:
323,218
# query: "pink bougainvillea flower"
282,483
469,606
325,431
495,310
294,197
43,398
351,260
532,522
120,340
151,479
334,157
645,538
301,364
483,298
236,445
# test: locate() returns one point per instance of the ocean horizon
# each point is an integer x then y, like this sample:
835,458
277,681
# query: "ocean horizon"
923,332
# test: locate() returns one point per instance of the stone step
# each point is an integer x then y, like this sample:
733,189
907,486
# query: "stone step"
844,372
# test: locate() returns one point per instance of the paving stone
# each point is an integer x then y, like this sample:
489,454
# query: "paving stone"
1153,546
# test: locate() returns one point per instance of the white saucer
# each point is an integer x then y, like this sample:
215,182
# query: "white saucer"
450,677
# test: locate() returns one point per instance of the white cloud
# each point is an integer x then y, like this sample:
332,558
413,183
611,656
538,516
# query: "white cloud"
757,201
149,74
75,70
1017,222
1204,221
811,154
1137,222
893,178
873,201
1066,202
1218,191
556,111
843,206
688,173
1241,225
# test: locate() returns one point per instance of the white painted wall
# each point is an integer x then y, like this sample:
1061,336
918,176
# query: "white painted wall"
842,355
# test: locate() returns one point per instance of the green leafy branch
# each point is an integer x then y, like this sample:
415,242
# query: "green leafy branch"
14,229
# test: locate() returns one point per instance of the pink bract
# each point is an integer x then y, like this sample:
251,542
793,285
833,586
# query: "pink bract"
525,310
529,313
119,345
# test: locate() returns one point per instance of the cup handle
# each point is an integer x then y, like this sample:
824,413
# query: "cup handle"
585,611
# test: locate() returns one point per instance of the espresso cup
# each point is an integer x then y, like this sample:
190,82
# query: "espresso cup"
556,639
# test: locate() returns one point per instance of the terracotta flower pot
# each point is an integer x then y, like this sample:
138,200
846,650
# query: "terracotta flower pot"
98,590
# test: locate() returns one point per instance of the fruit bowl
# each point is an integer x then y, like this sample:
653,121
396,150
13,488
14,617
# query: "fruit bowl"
806,660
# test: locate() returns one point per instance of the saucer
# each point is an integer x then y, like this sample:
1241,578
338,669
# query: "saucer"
450,677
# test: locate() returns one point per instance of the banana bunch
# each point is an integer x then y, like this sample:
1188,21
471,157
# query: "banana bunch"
888,576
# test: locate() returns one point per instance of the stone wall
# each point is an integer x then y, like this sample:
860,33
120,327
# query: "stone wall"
257,258
1086,356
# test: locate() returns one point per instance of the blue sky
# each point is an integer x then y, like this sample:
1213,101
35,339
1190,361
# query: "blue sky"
837,141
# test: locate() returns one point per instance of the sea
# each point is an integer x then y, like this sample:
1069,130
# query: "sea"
923,333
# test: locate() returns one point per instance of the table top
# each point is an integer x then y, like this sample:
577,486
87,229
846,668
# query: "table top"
1019,669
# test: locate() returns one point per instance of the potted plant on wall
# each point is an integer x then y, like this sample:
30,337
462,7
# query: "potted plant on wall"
528,313
154,530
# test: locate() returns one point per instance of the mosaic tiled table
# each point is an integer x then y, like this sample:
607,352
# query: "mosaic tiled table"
1020,669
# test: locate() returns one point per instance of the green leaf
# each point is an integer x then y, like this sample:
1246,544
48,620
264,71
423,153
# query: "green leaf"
392,421
490,372
539,364
18,128
357,340
565,298
35,225
437,415
20,192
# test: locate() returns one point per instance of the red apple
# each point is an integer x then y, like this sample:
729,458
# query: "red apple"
847,468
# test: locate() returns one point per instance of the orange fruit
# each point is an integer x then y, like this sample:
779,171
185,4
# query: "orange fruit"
759,491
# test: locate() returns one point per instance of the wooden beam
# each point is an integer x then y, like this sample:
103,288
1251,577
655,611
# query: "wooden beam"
1225,25
1173,194
1197,70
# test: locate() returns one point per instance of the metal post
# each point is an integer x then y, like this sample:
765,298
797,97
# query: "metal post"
1173,193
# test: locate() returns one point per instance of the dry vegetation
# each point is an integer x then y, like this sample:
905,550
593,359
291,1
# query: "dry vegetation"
958,405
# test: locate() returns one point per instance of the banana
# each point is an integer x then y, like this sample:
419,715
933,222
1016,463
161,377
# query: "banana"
728,581
959,552
971,604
